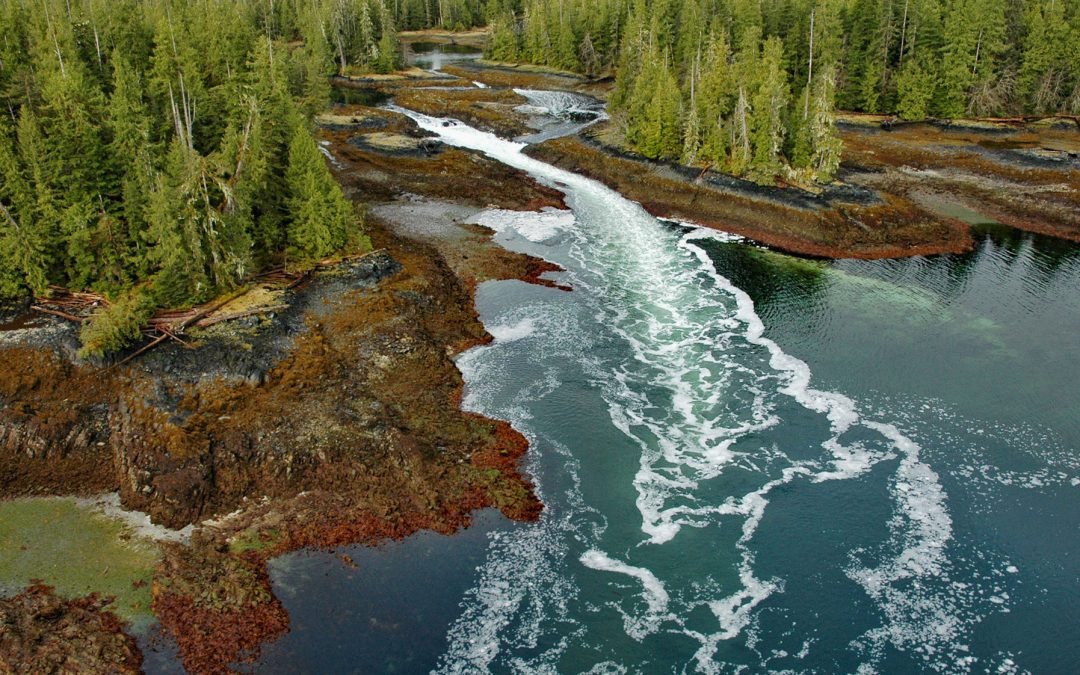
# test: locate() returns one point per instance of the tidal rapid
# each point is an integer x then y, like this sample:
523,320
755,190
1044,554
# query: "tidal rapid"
713,507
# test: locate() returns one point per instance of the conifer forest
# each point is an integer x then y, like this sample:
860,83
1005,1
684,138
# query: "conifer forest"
539,336
750,86
160,151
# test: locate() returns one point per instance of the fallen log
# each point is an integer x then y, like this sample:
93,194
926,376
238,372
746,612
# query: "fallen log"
214,320
54,312
162,338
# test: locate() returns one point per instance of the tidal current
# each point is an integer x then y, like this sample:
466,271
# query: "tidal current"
750,463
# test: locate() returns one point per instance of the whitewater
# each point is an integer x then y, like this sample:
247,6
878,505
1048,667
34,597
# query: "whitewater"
665,424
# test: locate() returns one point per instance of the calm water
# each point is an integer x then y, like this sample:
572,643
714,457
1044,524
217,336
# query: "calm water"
433,56
751,463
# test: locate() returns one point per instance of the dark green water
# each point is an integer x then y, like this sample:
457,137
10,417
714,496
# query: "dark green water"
433,56
751,463
996,333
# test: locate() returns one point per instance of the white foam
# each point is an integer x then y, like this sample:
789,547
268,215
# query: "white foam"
705,232
561,104
839,409
513,332
325,150
653,592
685,338
608,668
923,526
522,596
536,226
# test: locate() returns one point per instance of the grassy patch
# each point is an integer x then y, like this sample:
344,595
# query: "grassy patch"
530,68
78,552
255,539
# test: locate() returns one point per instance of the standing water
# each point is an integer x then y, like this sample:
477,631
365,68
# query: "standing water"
713,507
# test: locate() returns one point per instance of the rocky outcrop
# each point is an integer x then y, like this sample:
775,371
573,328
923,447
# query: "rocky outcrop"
41,633
335,421
54,431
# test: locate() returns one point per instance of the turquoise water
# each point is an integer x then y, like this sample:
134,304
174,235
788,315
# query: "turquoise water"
750,462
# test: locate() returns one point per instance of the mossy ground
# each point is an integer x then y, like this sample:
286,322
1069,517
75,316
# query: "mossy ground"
892,227
78,552
357,435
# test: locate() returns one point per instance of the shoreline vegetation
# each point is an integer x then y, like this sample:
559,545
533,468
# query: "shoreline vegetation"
308,397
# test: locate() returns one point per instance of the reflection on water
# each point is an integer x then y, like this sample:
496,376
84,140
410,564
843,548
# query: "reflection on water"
375,610
366,97
992,331
433,56
840,479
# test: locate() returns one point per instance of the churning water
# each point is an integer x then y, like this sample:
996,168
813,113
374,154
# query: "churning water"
714,506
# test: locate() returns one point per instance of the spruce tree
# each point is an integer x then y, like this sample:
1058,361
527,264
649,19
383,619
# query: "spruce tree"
320,217
40,209
565,44
661,135
24,240
315,62
825,143
915,87
128,122
769,104
716,96
975,30
504,45
1045,59
389,49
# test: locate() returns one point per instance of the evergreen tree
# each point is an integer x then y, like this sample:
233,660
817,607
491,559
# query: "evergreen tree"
716,97
131,147
825,143
389,49
24,240
198,244
1045,59
767,116
314,61
976,37
915,87
145,144
504,45
660,135
37,204
320,216
564,41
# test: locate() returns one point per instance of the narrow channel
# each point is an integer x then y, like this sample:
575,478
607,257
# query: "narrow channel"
710,506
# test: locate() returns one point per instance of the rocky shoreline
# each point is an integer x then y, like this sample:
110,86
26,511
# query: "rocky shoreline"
887,203
332,418
840,223
330,415
339,422
63,636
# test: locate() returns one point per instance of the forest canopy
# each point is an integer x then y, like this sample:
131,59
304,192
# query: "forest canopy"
160,151
750,85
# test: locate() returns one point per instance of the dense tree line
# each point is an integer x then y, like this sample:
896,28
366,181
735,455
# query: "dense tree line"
160,151
446,14
750,85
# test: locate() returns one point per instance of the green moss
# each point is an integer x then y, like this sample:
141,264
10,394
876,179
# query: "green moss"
254,539
77,551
